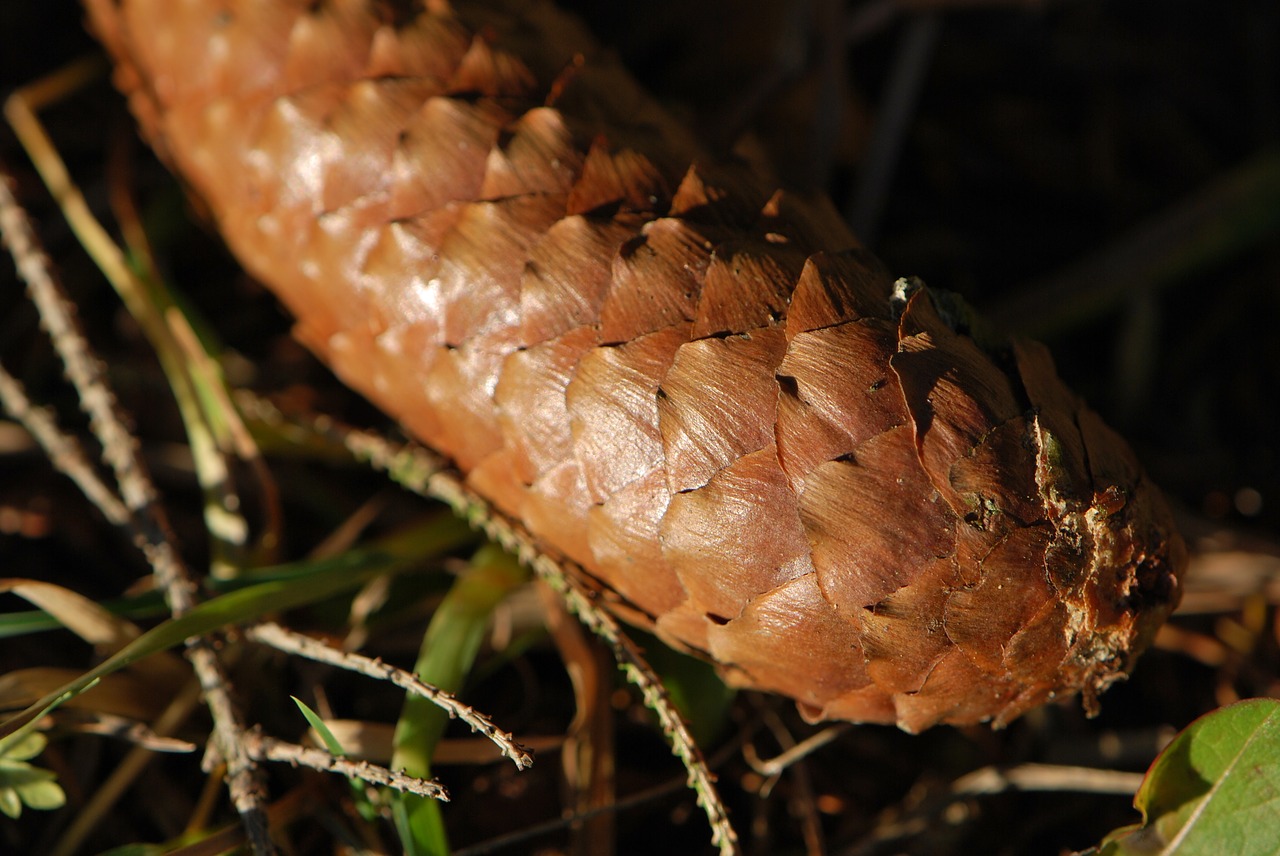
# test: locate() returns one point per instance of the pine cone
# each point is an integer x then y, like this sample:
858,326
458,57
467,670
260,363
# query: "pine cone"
830,482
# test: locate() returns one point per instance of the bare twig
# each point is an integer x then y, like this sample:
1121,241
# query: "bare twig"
804,806
896,826
109,792
147,518
1046,777
304,646
424,472
777,764
64,451
581,600
266,748
150,306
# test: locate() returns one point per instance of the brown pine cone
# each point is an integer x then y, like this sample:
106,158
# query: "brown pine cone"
831,483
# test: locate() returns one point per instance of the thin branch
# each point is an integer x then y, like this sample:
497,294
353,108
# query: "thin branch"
804,806
425,473
266,748
1046,777
774,766
125,775
313,649
147,519
64,451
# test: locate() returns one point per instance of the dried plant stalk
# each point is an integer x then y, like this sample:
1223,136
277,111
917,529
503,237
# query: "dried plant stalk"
702,391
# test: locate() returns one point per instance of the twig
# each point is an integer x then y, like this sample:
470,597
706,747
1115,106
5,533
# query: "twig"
266,748
147,519
581,602
897,826
1046,777
424,472
278,637
777,764
106,794
64,451
803,804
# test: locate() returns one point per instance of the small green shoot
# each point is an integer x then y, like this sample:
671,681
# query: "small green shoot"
21,783
313,719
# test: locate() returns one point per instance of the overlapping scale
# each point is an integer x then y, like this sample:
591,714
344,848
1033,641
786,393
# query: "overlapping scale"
698,388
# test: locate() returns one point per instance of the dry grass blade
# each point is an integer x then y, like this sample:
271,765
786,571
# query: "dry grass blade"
147,518
213,428
114,787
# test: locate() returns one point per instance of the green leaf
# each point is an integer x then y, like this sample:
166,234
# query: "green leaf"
10,804
20,774
448,651
43,796
330,741
1215,789
16,731
24,748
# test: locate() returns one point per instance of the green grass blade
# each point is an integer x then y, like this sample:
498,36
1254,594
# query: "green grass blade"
313,719
300,584
448,651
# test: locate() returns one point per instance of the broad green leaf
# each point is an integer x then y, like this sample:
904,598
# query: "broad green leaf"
1214,790
21,783
19,774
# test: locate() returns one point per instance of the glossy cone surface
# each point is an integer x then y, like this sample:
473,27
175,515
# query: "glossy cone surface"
697,388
